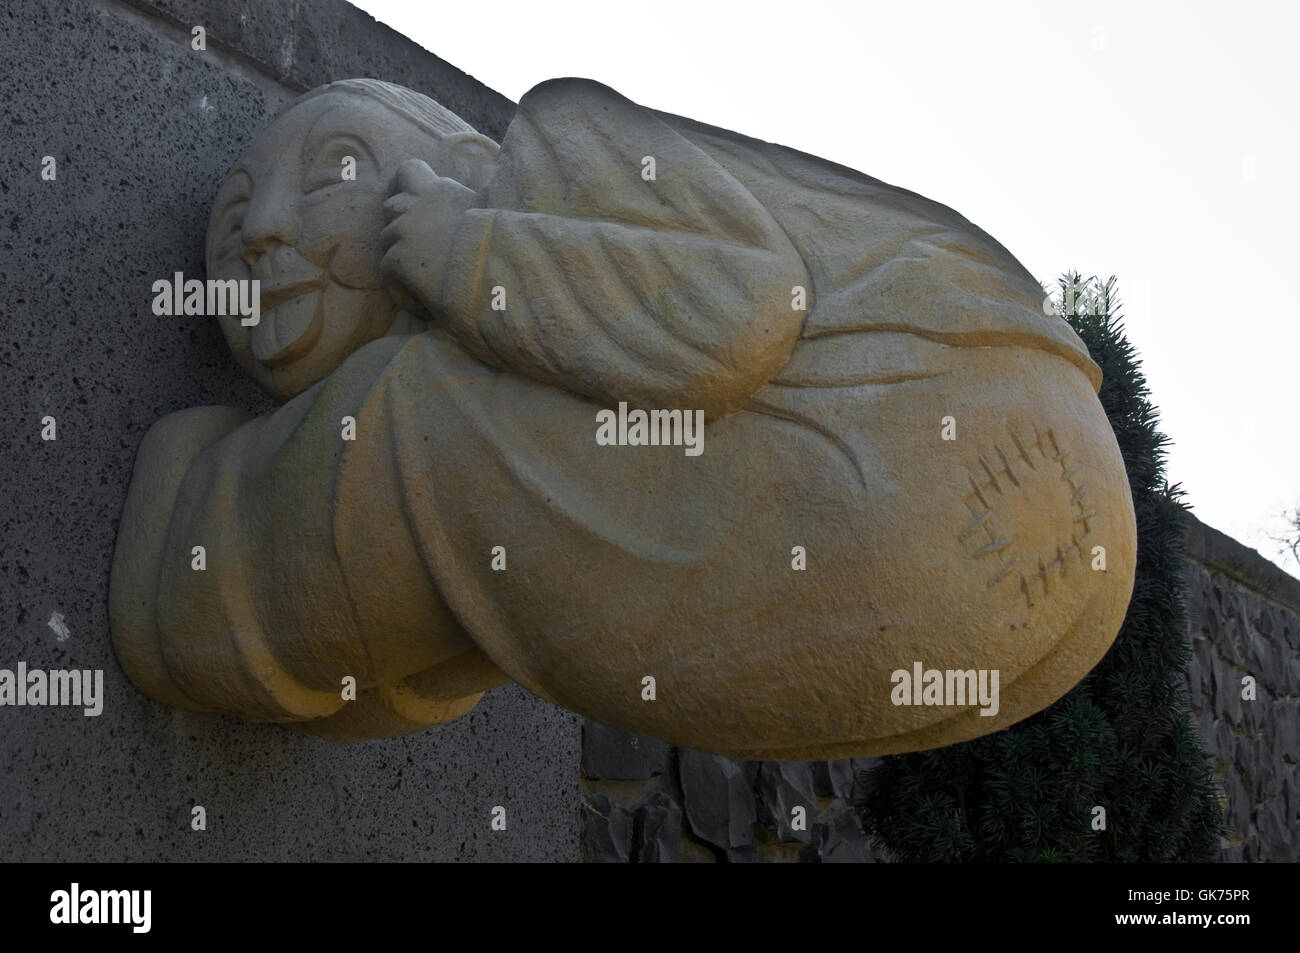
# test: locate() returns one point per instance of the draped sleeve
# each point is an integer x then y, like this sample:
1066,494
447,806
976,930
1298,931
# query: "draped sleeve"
633,266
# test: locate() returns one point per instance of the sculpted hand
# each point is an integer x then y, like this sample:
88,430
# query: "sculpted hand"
423,213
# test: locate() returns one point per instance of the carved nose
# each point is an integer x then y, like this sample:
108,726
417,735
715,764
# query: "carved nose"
272,221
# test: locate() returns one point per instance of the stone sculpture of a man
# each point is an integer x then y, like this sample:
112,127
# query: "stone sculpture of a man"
904,463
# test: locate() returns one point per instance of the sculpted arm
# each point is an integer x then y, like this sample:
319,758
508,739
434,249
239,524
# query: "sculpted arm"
308,574
577,268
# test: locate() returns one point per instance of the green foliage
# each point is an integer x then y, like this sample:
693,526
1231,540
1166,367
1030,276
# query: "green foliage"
1123,738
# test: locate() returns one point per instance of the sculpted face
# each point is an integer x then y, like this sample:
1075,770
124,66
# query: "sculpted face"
285,215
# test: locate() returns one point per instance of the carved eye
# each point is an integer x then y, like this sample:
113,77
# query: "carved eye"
230,225
231,206
335,162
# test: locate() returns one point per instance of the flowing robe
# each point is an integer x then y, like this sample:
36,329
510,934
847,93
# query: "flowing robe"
372,558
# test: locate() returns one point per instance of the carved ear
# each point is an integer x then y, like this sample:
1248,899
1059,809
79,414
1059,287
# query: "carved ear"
470,158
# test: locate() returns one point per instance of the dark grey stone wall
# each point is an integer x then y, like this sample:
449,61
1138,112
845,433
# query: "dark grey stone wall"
1244,616
647,802
295,45
143,128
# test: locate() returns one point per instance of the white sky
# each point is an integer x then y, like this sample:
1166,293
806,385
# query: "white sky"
1154,141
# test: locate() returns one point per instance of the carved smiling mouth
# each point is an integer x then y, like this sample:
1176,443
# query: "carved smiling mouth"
293,312
287,287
